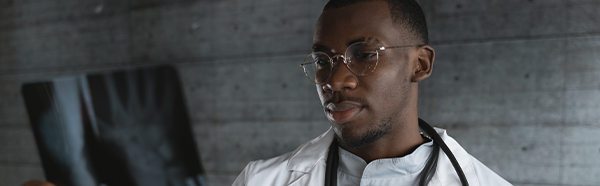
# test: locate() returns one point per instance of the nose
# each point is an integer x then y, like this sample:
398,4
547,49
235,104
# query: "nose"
341,78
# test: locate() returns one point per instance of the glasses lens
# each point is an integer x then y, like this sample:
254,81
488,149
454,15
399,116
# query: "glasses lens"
362,58
317,67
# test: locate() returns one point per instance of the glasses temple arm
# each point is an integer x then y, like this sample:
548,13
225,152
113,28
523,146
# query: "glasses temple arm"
383,48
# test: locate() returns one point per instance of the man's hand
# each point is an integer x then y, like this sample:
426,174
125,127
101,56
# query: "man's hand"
37,183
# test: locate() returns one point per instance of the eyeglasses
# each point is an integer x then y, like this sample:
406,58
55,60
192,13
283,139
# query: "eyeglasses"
361,59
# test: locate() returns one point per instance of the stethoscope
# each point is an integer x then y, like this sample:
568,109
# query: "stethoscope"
428,171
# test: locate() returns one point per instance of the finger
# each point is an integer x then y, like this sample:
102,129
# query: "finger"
116,107
133,98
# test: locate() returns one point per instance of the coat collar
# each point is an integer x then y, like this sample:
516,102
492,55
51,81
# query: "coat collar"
305,157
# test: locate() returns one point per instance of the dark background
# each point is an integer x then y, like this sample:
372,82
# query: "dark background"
514,81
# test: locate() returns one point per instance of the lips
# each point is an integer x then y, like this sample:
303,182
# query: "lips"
343,112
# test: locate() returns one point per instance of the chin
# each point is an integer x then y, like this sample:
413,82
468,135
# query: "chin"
360,137
352,142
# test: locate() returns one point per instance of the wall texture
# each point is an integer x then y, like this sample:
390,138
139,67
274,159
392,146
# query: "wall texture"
514,81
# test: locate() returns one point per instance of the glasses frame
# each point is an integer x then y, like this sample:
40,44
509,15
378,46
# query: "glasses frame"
347,60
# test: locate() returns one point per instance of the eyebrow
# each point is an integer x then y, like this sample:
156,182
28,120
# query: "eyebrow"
317,48
364,39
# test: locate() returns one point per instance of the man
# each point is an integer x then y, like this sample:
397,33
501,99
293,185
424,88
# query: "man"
368,57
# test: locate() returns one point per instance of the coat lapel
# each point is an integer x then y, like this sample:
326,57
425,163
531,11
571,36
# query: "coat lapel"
305,158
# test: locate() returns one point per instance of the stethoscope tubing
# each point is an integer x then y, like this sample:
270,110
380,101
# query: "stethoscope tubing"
437,139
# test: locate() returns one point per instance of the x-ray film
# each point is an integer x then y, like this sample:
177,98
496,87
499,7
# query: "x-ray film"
126,127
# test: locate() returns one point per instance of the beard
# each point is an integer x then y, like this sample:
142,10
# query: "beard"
371,135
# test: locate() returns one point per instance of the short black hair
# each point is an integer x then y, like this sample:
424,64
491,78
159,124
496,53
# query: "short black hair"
405,12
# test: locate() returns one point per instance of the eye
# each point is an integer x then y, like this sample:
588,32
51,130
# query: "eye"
322,62
363,56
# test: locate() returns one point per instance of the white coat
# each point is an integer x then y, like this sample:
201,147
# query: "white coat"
306,166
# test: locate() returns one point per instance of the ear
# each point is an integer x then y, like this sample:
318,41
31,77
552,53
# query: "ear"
424,65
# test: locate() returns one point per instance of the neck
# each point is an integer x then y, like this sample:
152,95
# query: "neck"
400,141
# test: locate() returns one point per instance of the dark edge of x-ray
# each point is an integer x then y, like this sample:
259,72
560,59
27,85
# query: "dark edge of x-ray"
127,127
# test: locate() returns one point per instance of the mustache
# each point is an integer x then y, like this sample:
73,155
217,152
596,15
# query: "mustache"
340,98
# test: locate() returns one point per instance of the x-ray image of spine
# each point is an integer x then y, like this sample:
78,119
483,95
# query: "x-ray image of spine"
131,128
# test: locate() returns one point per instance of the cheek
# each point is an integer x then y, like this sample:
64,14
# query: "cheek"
389,87
320,92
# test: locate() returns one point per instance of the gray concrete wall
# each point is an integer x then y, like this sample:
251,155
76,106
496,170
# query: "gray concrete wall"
515,82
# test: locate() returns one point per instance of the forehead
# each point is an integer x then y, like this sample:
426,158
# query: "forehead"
337,27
